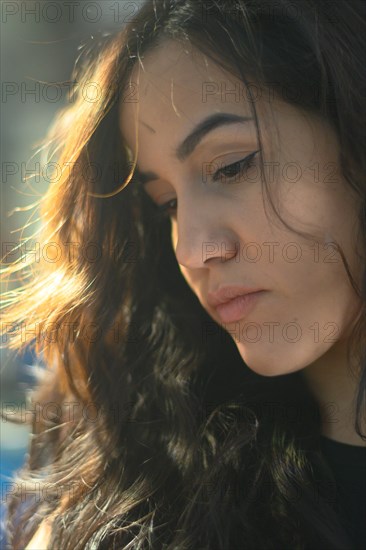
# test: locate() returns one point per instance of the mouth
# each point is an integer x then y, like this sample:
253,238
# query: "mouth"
239,307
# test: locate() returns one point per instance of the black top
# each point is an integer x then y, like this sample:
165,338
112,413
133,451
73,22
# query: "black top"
348,465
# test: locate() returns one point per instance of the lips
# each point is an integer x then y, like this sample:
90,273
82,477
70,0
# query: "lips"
225,293
232,303
238,308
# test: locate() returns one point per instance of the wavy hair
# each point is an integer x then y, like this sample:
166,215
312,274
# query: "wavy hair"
149,431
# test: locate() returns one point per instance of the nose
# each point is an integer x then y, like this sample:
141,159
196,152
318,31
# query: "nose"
199,237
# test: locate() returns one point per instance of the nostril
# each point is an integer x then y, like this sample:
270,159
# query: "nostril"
221,250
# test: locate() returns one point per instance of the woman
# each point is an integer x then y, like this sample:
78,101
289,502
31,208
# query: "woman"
224,157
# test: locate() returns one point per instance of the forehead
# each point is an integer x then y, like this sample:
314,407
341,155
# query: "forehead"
176,85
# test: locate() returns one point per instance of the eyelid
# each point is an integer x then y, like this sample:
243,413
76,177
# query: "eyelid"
161,197
240,154
244,160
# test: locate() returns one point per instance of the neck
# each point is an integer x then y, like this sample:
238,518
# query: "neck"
334,384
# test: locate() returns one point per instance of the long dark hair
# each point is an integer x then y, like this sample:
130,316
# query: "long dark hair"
149,430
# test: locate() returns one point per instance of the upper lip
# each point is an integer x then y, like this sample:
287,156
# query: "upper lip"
226,293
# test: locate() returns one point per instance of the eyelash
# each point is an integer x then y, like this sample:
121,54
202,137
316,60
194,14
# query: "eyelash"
163,209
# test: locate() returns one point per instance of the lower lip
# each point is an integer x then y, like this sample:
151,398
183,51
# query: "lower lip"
239,307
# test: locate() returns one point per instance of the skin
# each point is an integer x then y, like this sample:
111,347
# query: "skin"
304,319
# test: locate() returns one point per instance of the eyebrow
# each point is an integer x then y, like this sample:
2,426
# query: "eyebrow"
189,144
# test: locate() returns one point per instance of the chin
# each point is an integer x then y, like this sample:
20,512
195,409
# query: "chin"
276,362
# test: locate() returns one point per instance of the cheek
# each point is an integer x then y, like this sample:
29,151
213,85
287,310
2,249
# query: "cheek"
174,235
174,241
289,334
192,277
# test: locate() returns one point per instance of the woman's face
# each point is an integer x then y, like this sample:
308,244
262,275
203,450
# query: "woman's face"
223,229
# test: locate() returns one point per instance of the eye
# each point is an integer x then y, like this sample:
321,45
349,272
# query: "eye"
231,171
167,210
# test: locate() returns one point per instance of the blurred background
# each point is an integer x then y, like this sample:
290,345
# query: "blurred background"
40,42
